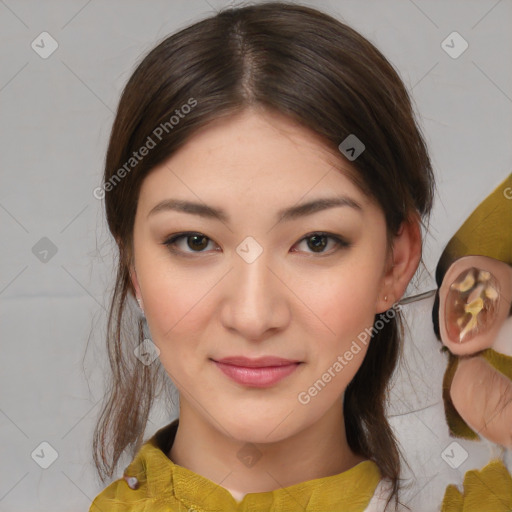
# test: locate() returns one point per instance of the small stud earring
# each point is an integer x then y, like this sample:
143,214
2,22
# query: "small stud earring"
385,298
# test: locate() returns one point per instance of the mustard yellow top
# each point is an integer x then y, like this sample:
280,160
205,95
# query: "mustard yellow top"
487,489
153,483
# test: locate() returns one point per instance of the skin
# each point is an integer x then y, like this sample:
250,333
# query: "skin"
481,394
290,302
483,397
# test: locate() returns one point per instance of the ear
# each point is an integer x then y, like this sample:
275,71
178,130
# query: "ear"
135,284
474,304
402,261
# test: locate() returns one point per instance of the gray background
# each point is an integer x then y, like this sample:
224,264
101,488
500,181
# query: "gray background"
56,115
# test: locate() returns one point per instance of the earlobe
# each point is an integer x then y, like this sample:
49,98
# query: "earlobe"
403,261
135,285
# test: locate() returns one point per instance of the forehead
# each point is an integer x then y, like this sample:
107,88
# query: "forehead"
254,152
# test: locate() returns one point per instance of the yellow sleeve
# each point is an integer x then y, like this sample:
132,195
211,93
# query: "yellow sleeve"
487,489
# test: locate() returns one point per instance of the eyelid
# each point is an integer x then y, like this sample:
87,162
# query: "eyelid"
340,242
171,241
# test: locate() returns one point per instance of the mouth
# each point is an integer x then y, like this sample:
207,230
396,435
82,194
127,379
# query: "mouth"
261,372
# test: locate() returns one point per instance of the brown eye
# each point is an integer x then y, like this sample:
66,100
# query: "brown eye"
471,304
317,242
195,242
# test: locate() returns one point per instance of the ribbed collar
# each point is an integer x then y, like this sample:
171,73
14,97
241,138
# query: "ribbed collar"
163,480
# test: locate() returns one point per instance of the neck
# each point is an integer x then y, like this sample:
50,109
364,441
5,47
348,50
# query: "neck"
317,451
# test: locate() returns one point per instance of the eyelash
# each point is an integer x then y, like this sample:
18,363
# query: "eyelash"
171,242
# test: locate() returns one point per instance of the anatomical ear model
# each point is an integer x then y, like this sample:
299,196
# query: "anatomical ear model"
472,318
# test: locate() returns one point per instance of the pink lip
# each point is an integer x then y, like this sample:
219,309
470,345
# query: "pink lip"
261,372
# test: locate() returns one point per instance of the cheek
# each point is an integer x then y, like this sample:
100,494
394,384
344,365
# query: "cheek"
345,300
174,311
177,317
345,304
175,301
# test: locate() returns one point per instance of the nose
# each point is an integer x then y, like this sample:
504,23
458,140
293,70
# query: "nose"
255,304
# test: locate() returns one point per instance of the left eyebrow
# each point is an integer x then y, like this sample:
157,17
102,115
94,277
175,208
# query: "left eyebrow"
317,205
286,214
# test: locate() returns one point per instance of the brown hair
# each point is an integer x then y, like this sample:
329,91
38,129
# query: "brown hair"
322,74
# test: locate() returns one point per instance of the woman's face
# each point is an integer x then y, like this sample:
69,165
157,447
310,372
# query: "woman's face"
255,282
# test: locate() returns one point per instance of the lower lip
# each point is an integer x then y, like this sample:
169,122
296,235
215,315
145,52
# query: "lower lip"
257,377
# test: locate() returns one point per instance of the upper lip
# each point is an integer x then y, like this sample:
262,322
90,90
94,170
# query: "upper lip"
259,362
